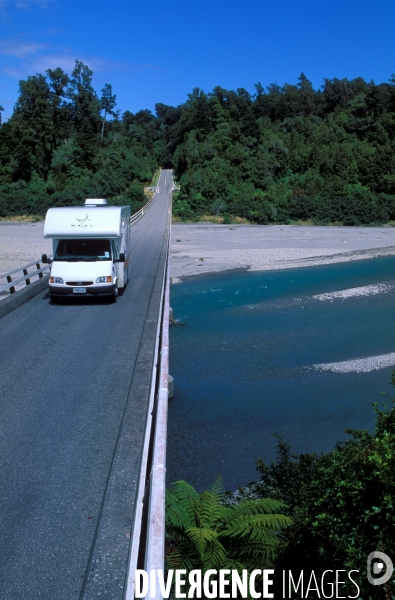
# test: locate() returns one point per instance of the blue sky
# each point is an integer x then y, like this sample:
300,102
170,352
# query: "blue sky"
159,51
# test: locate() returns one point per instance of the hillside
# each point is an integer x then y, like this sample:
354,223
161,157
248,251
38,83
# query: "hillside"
283,155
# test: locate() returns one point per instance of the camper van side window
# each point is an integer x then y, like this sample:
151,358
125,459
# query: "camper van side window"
114,250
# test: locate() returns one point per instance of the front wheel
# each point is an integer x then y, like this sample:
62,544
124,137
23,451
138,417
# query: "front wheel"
54,299
115,294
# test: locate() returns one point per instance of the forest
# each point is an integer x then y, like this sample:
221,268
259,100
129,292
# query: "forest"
58,147
285,154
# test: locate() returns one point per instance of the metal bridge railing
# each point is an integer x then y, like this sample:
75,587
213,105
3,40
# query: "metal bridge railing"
11,282
143,210
147,548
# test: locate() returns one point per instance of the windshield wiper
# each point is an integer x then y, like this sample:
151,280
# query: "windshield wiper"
65,258
81,258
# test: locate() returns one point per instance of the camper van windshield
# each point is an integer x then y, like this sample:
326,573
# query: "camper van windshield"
75,250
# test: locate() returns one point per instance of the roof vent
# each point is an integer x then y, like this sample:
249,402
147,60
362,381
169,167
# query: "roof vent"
95,202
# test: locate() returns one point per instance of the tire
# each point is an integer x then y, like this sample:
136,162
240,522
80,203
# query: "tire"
115,294
54,299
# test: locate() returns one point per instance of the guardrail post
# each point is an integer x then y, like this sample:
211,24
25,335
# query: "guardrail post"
40,275
26,273
9,280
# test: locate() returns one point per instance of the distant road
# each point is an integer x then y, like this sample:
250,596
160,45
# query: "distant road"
73,407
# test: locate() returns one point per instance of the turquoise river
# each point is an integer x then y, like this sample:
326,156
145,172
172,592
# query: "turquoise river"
253,356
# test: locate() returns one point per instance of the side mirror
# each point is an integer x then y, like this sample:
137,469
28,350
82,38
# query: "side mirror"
45,260
121,257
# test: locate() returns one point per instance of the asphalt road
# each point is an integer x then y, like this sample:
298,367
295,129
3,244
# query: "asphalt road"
73,411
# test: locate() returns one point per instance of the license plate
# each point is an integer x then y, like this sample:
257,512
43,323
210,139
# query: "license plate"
79,290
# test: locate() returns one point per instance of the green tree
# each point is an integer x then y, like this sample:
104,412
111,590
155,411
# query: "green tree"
33,123
108,102
58,81
85,112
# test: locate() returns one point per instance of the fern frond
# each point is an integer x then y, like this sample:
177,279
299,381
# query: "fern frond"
233,563
181,557
217,488
181,501
252,555
176,516
182,488
210,511
200,537
257,506
255,526
254,548
214,555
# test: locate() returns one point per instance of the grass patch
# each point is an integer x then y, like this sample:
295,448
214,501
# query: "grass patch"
239,221
23,218
148,193
154,182
307,223
217,219
226,220
211,219
155,177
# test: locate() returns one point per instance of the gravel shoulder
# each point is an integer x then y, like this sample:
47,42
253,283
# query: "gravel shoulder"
204,248
21,243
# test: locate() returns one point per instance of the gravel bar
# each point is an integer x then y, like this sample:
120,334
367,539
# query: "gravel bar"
359,365
204,248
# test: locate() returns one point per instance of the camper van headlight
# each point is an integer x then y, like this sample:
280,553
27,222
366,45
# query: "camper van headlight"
106,279
56,280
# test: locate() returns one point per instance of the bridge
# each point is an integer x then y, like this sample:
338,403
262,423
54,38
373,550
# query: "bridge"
84,386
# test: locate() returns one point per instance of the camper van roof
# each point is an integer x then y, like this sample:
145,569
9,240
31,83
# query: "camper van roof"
95,202
86,221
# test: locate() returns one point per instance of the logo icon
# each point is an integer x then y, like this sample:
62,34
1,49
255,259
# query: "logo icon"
377,563
82,222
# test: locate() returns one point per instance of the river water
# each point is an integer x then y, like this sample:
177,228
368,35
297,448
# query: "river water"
256,357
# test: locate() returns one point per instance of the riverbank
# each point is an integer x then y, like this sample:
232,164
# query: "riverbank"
203,248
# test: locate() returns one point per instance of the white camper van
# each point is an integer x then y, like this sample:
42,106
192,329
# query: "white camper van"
91,249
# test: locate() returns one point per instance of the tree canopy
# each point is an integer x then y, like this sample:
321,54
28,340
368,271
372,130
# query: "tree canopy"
54,150
286,153
283,154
